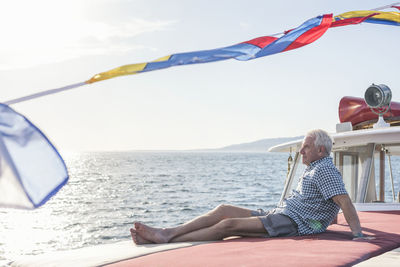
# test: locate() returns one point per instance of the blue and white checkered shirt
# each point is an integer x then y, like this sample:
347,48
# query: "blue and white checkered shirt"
311,205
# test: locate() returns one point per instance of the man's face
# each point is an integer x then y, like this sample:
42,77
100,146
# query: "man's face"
310,152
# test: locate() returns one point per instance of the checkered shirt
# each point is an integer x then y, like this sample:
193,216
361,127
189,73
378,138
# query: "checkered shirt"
311,205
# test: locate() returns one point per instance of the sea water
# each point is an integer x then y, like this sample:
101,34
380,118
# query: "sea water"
107,191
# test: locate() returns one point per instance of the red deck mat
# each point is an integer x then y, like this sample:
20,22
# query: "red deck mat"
332,248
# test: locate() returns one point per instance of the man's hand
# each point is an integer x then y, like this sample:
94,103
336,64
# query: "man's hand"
350,214
361,236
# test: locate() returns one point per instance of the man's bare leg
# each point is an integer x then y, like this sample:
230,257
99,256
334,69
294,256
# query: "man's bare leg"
164,235
251,226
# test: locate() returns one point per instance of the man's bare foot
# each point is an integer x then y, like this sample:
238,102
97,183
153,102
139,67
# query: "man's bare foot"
156,235
138,239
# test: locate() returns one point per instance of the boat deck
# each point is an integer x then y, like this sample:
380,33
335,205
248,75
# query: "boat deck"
332,248
388,259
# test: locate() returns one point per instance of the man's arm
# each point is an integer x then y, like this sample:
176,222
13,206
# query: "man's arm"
350,213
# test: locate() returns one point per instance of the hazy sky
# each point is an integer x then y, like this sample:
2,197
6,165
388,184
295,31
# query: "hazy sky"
49,44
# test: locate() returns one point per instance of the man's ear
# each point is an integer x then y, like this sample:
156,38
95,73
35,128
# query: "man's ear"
322,151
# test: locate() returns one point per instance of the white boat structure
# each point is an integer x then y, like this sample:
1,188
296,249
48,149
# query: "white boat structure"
363,156
357,154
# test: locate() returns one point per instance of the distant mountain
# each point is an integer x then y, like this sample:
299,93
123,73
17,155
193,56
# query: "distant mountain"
258,146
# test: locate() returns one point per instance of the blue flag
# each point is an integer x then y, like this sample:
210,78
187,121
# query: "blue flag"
31,169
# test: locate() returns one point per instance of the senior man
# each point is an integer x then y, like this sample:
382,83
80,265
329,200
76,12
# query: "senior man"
308,210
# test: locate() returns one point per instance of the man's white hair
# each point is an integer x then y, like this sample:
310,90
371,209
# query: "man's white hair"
322,138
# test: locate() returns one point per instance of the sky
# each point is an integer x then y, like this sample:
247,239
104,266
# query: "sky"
48,44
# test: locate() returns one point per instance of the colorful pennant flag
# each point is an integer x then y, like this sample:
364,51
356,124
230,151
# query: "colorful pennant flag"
255,48
303,35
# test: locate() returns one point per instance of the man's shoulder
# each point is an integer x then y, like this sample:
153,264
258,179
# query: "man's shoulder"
324,163
326,166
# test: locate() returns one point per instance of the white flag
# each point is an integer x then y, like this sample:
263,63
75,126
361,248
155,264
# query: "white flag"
31,169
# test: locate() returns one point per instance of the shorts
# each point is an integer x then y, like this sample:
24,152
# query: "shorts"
276,223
